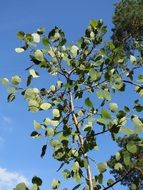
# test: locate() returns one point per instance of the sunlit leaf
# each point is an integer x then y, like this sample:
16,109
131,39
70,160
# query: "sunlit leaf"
19,50
45,106
113,107
16,79
56,113
55,184
102,167
36,38
105,114
37,125
38,54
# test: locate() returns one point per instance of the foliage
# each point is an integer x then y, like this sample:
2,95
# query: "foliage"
80,104
128,24
36,183
127,164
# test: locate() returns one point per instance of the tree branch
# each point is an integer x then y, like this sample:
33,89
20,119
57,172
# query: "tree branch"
119,180
89,174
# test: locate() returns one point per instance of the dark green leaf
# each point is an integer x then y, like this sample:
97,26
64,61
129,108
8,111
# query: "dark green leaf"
44,148
29,79
36,180
88,103
11,97
76,187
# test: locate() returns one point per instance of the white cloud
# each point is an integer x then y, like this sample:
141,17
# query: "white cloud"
8,180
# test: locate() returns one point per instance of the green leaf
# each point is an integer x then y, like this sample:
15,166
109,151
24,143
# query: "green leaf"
131,147
47,121
20,35
94,23
74,152
126,130
35,134
45,41
19,50
102,167
113,107
140,78
11,97
44,148
127,159
29,80
59,84
77,177
38,54
56,113
36,37
50,132
76,187
118,156
36,180
118,166
40,31
133,59
138,124
66,173
106,95
52,88
93,74
37,125
133,186
105,114
75,167
55,184
16,80
88,103
54,123
33,73
34,187
21,186
100,178
45,106
110,182
99,94
74,50
4,81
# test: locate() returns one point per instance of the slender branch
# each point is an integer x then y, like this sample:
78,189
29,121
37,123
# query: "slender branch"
81,140
119,180
96,134
130,82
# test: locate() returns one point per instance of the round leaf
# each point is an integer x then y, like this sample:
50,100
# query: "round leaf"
113,107
36,38
39,55
131,147
56,113
55,184
36,180
102,167
16,80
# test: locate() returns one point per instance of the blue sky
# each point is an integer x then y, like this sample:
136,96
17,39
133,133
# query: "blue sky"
20,155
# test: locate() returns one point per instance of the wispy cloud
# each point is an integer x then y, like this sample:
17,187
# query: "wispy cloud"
8,179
